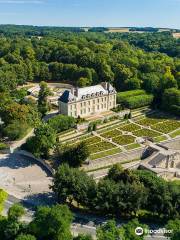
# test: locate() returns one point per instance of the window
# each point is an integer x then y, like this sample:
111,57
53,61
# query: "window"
75,114
81,112
81,104
102,99
102,106
93,101
89,110
97,107
105,105
98,100
89,103
84,103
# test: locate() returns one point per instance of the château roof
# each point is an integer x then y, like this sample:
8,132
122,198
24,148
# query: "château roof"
78,94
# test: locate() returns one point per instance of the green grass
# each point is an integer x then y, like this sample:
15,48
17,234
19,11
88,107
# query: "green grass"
105,154
149,121
130,127
111,134
132,146
92,140
175,134
167,127
146,133
160,139
99,147
124,139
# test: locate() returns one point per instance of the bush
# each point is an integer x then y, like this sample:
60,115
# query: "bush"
62,123
16,130
3,146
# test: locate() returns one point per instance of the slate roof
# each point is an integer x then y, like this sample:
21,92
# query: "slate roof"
66,97
79,93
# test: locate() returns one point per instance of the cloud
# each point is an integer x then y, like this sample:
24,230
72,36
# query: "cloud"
21,1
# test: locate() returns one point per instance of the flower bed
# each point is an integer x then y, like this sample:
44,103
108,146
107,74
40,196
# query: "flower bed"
92,140
130,127
149,121
124,139
146,133
101,146
111,134
167,126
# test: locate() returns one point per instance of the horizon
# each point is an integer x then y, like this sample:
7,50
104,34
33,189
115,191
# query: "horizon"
89,13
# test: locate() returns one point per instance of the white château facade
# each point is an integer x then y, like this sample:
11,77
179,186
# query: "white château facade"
87,101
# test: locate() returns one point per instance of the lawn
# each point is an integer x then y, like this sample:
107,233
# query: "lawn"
132,146
105,153
124,139
175,134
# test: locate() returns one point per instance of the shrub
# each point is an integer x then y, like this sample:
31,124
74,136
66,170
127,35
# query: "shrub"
61,123
16,130
3,146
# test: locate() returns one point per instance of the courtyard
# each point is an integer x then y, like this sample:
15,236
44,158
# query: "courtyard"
23,179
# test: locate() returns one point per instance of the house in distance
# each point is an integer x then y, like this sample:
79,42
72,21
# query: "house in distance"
87,101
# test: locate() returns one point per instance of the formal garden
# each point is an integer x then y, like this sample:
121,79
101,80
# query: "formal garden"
126,135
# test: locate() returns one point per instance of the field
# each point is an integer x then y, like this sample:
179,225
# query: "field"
124,135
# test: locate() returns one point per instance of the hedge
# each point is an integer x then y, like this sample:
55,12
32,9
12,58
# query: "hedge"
123,96
139,101
61,123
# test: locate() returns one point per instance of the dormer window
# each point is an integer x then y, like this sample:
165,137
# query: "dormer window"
83,97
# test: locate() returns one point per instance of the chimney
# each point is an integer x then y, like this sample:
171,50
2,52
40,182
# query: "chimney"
74,91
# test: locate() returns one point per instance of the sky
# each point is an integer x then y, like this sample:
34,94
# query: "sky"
85,13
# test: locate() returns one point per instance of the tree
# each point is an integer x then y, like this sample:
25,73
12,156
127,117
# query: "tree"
15,213
109,231
52,223
128,230
83,237
61,123
25,237
13,226
73,184
43,104
174,227
42,142
75,156
3,197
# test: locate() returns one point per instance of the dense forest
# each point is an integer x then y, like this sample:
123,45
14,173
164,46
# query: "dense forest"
148,61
